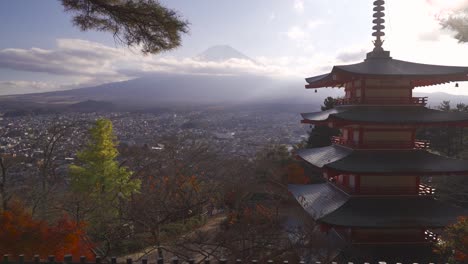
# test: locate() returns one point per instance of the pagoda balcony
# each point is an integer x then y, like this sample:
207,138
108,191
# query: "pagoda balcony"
389,239
421,101
423,190
393,144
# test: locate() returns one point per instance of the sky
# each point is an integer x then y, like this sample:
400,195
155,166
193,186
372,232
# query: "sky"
40,49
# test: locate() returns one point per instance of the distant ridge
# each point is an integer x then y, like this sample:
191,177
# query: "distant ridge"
221,53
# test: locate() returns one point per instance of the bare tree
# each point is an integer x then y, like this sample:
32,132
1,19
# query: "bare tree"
8,184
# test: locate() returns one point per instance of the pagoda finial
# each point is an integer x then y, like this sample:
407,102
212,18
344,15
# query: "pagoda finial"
378,33
378,21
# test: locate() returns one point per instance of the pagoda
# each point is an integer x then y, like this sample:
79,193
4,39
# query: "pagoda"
373,198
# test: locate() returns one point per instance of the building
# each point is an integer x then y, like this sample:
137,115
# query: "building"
373,198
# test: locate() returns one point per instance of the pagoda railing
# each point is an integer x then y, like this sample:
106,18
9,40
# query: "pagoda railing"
423,190
393,144
426,190
383,100
431,236
389,239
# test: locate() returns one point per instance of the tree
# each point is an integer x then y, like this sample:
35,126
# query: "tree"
132,22
7,182
178,182
458,22
320,136
451,142
21,234
99,176
328,103
454,243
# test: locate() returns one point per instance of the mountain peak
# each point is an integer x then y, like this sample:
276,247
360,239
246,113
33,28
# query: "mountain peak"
221,53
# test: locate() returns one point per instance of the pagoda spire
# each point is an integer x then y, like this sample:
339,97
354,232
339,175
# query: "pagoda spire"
378,33
379,24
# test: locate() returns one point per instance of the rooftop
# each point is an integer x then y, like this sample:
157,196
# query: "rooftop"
329,205
390,115
389,162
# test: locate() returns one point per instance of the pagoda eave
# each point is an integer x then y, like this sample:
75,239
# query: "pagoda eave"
332,171
328,205
335,122
387,68
385,115
378,162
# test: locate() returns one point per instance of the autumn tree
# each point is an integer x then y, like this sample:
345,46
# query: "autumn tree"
453,244
178,181
145,23
20,233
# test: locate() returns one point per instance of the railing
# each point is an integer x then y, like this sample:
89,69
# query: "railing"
383,100
426,190
389,239
68,260
431,236
422,190
417,144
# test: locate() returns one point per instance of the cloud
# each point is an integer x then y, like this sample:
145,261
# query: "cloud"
299,6
351,55
19,87
313,24
71,57
81,63
272,16
27,84
296,33
433,35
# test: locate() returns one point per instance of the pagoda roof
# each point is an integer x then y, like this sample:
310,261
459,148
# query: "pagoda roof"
329,205
392,162
386,67
391,115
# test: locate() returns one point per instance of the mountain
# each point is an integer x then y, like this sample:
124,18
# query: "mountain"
221,53
170,89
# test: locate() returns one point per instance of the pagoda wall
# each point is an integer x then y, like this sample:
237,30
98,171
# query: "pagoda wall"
372,135
388,92
397,184
378,137
378,184
374,89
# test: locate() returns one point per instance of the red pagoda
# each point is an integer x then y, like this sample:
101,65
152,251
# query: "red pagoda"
373,198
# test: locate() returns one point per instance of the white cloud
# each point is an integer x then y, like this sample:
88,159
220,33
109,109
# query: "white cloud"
313,24
299,6
20,87
27,84
296,33
84,63
272,16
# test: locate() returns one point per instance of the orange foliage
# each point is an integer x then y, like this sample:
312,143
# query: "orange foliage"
454,243
296,174
21,234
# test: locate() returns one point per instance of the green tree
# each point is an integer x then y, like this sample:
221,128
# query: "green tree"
99,173
320,136
145,23
328,103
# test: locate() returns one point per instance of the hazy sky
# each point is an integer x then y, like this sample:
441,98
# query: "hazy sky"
40,50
